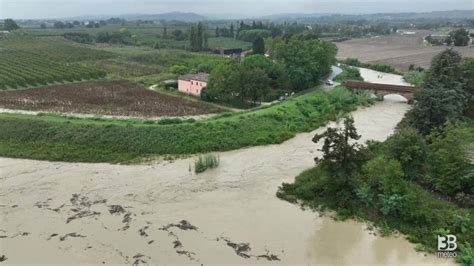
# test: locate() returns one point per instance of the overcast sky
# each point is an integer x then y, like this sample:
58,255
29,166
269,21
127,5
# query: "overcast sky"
22,9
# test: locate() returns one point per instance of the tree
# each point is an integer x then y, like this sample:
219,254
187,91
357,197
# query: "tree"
442,97
232,35
255,84
179,69
61,25
165,32
409,148
306,61
43,25
224,82
338,151
178,35
450,167
259,46
467,69
196,37
10,25
199,37
205,42
217,32
459,37
192,38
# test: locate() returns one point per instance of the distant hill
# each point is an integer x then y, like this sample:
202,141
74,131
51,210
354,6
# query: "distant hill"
178,16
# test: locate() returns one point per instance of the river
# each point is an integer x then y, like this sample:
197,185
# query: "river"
162,213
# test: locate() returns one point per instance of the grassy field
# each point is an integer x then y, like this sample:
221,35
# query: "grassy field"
396,50
89,140
52,48
146,35
228,43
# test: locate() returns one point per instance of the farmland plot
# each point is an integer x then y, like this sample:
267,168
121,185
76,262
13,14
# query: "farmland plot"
20,69
118,98
53,48
397,50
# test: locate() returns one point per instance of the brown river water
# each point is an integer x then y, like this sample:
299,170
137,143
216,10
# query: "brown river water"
162,213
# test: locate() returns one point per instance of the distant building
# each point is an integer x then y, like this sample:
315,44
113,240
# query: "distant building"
192,84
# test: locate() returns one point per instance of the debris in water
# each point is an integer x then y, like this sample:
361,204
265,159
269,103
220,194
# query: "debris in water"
268,256
51,236
116,209
177,244
62,238
82,214
139,259
183,225
3,258
143,231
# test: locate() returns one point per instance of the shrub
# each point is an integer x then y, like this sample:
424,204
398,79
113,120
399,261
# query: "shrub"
205,162
409,148
179,70
348,73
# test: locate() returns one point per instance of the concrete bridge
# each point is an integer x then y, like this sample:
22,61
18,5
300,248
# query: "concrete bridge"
380,90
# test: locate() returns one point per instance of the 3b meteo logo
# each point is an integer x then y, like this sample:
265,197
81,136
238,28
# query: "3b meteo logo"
447,246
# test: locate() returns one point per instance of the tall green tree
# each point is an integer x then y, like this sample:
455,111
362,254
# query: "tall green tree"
307,60
255,84
443,96
467,69
199,37
224,82
10,25
165,32
459,37
451,170
259,46
232,34
340,152
205,42
193,38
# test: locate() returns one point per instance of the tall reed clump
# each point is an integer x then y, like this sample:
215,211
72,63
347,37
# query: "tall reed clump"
205,162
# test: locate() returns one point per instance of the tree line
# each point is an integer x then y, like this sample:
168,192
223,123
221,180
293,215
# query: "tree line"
295,64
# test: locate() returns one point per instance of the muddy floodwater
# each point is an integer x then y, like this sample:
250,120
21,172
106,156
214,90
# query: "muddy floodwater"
162,213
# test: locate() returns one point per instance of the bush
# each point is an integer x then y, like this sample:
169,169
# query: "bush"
450,167
348,73
409,148
415,77
179,70
205,162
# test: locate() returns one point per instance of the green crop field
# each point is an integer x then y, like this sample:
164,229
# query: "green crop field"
53,48
20,69
228,43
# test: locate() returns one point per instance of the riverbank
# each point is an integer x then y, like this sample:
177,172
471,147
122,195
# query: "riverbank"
91,140
233,204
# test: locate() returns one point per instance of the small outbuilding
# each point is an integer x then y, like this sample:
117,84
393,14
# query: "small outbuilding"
192,84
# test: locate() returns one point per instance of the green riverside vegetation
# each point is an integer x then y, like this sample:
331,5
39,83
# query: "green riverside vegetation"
205,162
420,181
87,140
